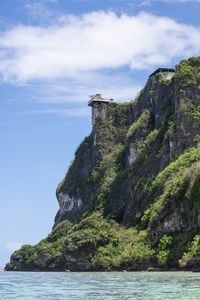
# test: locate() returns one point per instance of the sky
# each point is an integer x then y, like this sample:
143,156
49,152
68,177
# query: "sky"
53,55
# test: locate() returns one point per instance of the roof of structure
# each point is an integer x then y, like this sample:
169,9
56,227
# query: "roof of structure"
163,70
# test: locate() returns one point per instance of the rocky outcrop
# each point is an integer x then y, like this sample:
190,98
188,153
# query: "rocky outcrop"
139,167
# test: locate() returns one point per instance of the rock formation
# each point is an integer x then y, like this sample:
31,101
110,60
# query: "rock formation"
131,197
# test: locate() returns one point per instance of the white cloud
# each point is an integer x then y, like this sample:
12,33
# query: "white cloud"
120,86
93,42
13,246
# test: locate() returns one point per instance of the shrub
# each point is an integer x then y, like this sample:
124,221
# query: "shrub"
188,73
133,248
193,250
59,231
173,183
142,122
163,249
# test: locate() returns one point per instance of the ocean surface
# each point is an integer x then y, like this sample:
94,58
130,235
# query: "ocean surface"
105,286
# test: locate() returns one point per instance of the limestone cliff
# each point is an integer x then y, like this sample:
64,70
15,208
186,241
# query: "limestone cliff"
134,185
144,136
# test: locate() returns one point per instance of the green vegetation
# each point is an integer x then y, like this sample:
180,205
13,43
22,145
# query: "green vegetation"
192,252
106,173
110,132
190,111
113,170
146,143
133,248
103,242
164,80
76,240
188,73
73,176
163,249
174,183
113,128
28,253
142,122
59,231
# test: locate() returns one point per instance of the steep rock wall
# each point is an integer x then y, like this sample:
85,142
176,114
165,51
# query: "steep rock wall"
152,130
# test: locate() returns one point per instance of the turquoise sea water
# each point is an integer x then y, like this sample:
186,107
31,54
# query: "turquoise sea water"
105,286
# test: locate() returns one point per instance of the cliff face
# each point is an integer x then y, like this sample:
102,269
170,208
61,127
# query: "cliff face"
78,191
137,141
140,167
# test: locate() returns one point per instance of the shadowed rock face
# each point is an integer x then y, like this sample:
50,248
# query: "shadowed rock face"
140,167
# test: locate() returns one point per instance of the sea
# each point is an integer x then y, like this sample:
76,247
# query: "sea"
100,285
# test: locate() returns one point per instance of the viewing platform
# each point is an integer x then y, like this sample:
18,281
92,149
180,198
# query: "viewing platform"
98,98
163,70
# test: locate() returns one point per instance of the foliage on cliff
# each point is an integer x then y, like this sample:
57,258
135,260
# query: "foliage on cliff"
192,255
179,180
95,243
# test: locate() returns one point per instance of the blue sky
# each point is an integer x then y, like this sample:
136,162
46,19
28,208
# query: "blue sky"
53,54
